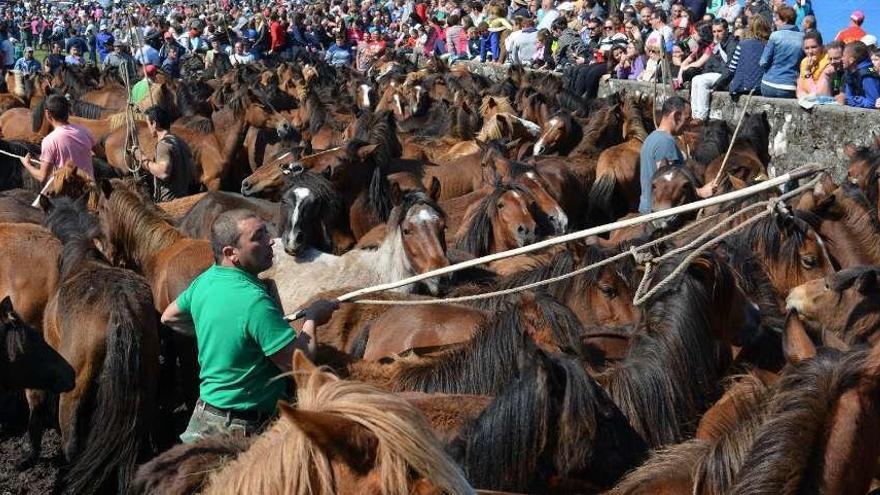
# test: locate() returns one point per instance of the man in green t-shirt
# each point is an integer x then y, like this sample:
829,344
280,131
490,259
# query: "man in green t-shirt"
139,89
242,337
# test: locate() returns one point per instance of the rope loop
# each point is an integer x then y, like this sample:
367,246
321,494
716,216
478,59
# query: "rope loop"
641,257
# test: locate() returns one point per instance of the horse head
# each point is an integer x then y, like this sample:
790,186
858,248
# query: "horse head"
421,226
310,208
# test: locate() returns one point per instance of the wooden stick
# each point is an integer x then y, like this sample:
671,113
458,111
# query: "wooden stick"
33,160
733,138
601,229
36,203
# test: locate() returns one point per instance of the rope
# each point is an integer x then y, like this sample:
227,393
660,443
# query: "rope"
621,224
641,295
136,42
131,137
733,138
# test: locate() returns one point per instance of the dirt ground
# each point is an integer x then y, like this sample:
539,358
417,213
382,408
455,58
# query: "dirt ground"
14,446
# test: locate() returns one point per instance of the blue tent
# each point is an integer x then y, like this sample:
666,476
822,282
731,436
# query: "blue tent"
833,15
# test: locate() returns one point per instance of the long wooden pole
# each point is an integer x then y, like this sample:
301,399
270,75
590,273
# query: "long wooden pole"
601,229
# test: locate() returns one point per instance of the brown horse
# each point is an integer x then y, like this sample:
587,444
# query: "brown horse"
500,221
26,360
342,437
268,181
29,245
616,190
750,153
197,222
103,322
138,236
844,303
848,221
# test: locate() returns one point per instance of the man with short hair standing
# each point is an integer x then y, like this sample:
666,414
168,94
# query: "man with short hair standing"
660,147
66,142
173,167
243,341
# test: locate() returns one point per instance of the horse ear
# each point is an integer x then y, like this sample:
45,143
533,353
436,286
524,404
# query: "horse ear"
796,343
850,150
364,151
335,435
434,190
867,282
7,312
106,188
45,203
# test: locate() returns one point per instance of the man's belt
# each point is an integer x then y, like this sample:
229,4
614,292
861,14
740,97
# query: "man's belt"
244,415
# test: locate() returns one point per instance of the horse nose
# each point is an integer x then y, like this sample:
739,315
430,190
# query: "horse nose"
560,222
245,187
537,150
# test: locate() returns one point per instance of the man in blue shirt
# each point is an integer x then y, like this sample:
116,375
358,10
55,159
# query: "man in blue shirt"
28,64
861,83
660,146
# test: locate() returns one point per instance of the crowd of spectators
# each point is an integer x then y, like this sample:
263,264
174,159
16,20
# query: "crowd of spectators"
765,47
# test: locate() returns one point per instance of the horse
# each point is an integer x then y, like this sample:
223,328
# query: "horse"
103,322
848,221
414,243
500,221
749,154
342,437
843,303
313,216
616,190
197,222
26,360
686,330
268,181
27,244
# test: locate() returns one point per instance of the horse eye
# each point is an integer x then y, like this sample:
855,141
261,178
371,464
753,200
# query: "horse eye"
608,291
809,262
407,232
500,206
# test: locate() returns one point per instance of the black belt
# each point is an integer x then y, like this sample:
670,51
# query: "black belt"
244,415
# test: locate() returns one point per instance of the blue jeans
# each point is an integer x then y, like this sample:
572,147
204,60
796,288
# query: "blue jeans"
769,92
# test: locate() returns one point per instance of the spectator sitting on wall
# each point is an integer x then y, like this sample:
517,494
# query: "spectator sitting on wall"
861,83
811,79
834,70
854,31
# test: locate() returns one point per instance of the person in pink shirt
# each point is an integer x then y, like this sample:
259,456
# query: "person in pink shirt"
66,142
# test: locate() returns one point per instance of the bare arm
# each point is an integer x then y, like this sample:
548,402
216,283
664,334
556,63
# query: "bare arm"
304,341
178,320
39,173
161,166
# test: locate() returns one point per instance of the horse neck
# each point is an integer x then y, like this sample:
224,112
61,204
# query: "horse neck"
232,137
390,261
591,135
860,227
145,245
636,127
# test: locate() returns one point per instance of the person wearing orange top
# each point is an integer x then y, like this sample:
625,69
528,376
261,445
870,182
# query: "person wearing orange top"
854,31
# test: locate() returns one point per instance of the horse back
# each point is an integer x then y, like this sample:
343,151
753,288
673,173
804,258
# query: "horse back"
176,267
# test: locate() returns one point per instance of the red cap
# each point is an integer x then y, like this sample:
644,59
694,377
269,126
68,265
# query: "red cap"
858,16
150,70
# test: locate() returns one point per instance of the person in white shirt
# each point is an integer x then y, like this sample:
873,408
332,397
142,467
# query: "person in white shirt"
240,56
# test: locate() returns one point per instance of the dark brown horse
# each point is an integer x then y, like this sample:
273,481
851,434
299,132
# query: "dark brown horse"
103,322
26,360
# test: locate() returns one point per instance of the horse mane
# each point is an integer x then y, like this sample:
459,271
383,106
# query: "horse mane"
490,359
479,236
634,118
779,236
505,126
315,109
654,385
87,110
137,228
284,457
574,132
797,416
713,142
552,419
197,123
321,187
501,103
755,132
75,227
73,81
37,114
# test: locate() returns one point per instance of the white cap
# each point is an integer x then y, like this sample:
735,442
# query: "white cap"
565,7
870,40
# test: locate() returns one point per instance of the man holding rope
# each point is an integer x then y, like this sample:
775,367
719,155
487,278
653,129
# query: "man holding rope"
66,142
242,338
660,147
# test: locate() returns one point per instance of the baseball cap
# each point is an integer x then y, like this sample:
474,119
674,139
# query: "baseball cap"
150,70
869,40
565,7
29,49
857,16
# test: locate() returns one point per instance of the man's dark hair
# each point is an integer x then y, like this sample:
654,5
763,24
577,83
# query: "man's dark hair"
160,116
674,104
225,231
786,14
720,21
815,36
859,51
661,14
559,23
58,108
835,45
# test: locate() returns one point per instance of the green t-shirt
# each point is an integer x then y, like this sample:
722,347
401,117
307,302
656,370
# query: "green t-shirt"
238,325
139,91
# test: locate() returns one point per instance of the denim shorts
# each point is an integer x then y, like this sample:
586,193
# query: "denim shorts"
205,423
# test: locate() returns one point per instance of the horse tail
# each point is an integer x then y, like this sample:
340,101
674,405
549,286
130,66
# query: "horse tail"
121,401
603,203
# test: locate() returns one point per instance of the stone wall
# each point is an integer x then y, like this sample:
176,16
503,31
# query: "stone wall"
797,135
